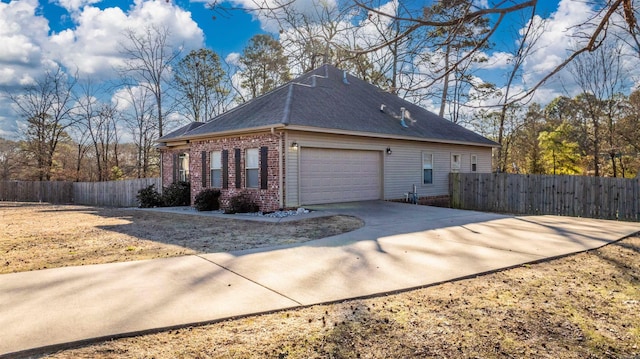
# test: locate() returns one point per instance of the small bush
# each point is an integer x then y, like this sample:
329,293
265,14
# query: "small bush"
242,203
148,197
177,194
207,200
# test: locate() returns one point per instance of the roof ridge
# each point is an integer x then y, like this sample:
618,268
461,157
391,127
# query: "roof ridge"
287,106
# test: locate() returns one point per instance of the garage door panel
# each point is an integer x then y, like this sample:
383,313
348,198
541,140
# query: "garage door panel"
332,175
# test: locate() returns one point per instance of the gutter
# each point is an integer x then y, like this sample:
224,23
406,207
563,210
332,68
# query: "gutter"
186,139
387,136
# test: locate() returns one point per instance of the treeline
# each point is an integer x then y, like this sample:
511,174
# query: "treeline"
73,162
571,136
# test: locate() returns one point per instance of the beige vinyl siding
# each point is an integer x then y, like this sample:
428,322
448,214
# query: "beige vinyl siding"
401,169
291,161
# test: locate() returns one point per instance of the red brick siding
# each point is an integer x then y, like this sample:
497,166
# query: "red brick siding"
167,164
268,199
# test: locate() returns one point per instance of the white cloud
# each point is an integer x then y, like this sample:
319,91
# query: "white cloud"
94,46
311,9
497,60
73,6
23,36
557,40
233,59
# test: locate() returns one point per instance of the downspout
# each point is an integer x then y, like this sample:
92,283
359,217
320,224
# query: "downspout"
281,150
161,171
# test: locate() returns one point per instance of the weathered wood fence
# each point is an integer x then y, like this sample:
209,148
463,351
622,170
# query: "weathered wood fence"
32,191
575,196
108,194
112,193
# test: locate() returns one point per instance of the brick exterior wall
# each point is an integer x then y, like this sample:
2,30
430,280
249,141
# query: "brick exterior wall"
268,199
167,164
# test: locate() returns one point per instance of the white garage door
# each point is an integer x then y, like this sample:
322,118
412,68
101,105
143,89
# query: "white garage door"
331,175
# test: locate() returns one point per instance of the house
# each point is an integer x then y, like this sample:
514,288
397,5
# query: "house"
324,137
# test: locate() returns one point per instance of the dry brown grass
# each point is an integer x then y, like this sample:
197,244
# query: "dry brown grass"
37,236
582,306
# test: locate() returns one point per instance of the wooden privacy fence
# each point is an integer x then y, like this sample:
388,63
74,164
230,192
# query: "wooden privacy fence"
112,193
108,194
575,196
32,191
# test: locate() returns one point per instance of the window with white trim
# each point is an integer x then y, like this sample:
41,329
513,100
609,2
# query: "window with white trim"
456,160
427,168
216,169
474,163
183,167
251,167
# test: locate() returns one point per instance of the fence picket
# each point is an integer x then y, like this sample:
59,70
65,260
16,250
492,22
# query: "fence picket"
108,194
578,196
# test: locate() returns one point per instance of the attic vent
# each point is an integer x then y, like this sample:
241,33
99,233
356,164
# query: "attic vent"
344,77
402,123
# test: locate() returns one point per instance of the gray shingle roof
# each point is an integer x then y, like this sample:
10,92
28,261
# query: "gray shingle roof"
322,99
181,131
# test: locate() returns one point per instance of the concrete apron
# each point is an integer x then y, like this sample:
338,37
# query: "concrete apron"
401,247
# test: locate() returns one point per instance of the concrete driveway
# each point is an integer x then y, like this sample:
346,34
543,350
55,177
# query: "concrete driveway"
400,247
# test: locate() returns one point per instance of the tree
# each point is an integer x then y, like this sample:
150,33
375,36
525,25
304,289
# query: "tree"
450,43
264,66
559,154
139,120
148,62
599,75
525,151
99,121
530,36
46,106
199,78
9,157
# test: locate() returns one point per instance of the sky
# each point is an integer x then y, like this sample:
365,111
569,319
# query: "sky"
36,36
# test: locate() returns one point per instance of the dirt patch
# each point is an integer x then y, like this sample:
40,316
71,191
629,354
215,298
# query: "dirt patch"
581,306
36,236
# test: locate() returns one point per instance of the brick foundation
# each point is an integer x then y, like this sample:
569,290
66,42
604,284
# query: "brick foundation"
436,201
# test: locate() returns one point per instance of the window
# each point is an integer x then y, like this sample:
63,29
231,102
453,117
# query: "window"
455,162
216,169
427,168
474,163
251,168
183,167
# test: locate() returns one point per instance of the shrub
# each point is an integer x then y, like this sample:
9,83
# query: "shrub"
242,203
177,194
148,197
207,200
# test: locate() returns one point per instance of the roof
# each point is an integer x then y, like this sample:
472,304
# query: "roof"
182,131
328,99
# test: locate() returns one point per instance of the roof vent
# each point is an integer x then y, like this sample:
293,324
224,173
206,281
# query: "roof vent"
402,123
382,107
344,77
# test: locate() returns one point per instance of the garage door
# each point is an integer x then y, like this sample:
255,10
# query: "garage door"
331,175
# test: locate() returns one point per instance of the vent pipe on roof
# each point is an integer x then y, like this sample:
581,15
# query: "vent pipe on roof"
402,123
382,107
344,77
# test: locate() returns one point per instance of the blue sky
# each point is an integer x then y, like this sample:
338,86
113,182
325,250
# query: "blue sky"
224,33
83,34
